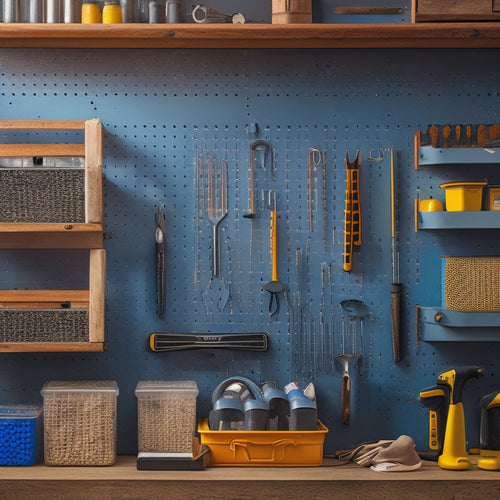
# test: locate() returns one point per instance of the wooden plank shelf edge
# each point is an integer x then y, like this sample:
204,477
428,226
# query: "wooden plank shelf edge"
252,35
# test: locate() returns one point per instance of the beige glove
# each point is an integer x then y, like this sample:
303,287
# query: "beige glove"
399,456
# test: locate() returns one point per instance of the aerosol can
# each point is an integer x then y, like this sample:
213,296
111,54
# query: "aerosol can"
490,432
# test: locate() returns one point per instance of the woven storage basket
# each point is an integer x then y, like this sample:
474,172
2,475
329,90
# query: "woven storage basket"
42,195
80,422
40,325
166,415
472,284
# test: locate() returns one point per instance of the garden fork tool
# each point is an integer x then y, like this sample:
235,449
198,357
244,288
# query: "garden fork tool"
217,292
275,287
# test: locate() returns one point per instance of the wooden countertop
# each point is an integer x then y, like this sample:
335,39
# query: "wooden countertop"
123,481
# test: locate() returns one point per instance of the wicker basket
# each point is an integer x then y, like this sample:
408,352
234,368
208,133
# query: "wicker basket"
166,415
80,422
472,284
41,325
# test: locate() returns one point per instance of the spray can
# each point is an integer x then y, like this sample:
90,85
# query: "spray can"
156,12
10,11
174,11
72,11
53,11
35,13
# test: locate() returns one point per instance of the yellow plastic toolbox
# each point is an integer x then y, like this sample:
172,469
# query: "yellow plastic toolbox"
269,448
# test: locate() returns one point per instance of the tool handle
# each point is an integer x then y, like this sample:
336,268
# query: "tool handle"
160,279
396,321
164,342
274,243
345,398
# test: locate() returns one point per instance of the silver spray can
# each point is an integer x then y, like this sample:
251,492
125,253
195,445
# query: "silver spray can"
72,11
35,13
53,11
10,11
174,11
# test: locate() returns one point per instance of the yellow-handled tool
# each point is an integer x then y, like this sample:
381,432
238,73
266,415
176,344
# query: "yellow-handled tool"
275,286
454,456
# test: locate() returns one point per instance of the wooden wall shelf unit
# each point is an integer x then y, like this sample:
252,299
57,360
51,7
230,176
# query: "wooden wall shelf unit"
53,320
252,36
67,233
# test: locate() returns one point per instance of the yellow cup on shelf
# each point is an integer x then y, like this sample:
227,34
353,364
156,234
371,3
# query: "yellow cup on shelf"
112,12
91,13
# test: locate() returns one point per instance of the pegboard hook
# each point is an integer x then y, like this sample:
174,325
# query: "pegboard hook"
380,157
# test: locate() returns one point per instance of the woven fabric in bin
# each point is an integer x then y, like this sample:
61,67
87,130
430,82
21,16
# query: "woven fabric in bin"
472,284
42,195
166,415
44,325
80,422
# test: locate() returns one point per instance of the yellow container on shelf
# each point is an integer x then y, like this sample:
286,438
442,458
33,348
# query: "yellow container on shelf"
269,448
463,196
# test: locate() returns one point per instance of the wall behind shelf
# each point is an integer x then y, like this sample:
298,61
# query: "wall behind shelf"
159,107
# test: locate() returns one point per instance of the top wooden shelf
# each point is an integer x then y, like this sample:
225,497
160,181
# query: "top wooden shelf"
252,36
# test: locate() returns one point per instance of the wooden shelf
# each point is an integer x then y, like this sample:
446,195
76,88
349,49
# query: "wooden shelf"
14,304
252,36
123,480
50,235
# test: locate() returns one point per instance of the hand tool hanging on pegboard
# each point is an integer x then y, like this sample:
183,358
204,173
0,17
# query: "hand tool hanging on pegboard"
352,210
275,287
351,348
160,235
217,292
395,285
166,342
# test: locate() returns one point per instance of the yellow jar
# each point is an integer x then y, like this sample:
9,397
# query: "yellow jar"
91,13
112,12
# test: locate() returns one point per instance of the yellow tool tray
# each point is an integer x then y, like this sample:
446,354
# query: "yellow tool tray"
263,448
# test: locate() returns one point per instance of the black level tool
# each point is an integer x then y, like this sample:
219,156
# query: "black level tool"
163,342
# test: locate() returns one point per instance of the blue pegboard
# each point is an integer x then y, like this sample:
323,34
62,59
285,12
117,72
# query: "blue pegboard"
163,109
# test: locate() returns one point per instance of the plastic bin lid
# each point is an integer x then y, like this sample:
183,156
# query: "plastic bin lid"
19,411
157,386
464,184
80,386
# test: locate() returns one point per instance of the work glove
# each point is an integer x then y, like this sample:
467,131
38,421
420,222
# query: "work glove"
399,456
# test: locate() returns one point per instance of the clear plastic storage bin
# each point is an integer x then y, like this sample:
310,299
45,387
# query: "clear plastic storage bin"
166,415
20,434
80,422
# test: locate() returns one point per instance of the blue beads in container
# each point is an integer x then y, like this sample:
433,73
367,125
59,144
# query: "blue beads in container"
20,434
